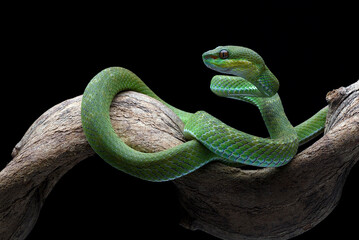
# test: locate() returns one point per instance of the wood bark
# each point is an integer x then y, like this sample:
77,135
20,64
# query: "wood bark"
227,202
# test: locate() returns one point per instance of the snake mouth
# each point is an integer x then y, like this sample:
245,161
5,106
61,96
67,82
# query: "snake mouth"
216,64
211,60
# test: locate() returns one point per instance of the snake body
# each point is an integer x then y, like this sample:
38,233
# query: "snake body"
209,138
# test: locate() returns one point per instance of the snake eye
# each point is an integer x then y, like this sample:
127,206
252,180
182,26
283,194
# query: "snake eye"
223,54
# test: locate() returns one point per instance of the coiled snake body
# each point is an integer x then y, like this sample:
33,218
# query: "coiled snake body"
209,138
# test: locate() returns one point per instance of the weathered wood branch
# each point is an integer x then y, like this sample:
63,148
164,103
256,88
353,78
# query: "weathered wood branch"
247,204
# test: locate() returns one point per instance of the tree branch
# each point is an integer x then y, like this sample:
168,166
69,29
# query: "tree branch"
248,204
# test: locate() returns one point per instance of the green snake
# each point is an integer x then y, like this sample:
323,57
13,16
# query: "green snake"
246,78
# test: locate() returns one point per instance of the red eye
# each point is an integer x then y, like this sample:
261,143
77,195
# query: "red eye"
223,54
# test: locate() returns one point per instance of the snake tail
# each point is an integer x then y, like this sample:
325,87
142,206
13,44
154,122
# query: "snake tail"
312,127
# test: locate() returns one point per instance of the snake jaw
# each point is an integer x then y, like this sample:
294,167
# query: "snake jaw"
212,61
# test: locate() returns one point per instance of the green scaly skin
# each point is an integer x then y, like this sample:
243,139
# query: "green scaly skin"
209,138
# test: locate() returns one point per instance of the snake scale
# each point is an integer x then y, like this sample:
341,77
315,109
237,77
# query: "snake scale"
246,78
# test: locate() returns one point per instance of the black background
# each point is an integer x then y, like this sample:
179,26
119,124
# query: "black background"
52,52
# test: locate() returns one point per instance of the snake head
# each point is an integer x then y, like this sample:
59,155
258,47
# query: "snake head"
245,63
235,60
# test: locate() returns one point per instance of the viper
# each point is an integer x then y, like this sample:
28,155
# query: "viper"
245,77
